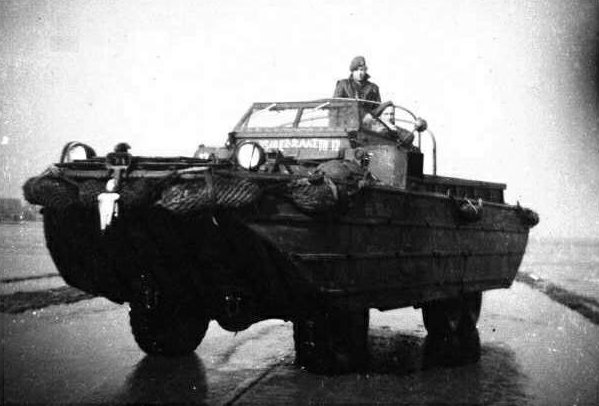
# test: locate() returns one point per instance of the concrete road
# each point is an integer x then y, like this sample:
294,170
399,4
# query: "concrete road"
534,351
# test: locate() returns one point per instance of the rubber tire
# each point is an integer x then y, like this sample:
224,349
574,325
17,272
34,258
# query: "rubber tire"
332,342
452,316
167,330
453,338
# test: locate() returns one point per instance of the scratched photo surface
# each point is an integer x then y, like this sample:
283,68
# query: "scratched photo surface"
509,88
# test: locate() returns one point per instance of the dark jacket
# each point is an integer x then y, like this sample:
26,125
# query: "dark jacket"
350,89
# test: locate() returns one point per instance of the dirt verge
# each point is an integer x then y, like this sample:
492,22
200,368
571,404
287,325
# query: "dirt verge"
586,306
19,302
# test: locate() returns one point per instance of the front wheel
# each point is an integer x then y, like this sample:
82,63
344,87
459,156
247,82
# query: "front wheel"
168,329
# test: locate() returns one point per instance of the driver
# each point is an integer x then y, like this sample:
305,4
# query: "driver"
382,121
357,86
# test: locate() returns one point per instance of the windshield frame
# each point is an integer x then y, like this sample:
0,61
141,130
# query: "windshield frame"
301,108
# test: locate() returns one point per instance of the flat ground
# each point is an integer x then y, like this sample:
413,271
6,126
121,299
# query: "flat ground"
534,351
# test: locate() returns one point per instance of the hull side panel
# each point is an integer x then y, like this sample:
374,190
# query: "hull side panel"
413,246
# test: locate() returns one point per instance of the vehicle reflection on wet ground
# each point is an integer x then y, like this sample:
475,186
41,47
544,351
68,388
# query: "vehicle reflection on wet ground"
533,351
390,379
166,380
401,379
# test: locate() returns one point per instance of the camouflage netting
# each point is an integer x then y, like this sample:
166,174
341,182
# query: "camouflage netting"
527,216
313,195
347,174
51,189
331,183
133,192
48,190
193,196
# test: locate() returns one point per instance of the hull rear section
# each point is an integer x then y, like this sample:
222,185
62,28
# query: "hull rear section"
395,248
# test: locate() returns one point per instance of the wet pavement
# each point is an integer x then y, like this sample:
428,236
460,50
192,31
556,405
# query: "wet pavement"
533,351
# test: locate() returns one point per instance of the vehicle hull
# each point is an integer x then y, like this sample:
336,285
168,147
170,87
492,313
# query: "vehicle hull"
383,248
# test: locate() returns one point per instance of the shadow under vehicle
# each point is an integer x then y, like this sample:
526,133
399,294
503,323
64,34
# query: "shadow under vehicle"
306,214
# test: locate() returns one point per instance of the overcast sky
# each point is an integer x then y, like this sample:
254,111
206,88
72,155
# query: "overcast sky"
508,87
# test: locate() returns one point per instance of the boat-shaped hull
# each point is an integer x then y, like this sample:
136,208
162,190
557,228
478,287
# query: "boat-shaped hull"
383,248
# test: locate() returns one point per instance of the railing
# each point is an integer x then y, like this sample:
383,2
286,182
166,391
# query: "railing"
434,148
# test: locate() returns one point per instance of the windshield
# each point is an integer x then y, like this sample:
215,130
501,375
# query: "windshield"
323,115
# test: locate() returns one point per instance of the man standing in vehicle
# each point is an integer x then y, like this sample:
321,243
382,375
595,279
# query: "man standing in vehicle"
357,86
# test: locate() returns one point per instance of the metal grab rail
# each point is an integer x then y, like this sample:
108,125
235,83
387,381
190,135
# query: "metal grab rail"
65,155
433,139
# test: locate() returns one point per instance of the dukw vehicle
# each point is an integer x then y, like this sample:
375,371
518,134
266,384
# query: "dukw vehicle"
304,215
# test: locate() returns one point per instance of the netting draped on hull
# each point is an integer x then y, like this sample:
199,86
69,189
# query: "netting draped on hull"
329,186
196,196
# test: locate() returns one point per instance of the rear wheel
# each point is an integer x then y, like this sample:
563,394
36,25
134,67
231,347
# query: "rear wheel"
334,341
451,326
167,329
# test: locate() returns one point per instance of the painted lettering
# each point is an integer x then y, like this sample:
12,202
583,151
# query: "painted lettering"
321,144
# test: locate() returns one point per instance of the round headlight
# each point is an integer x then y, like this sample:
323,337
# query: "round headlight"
250,155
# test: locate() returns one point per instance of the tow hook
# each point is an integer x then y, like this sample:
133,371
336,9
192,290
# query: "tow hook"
108,205
117,163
